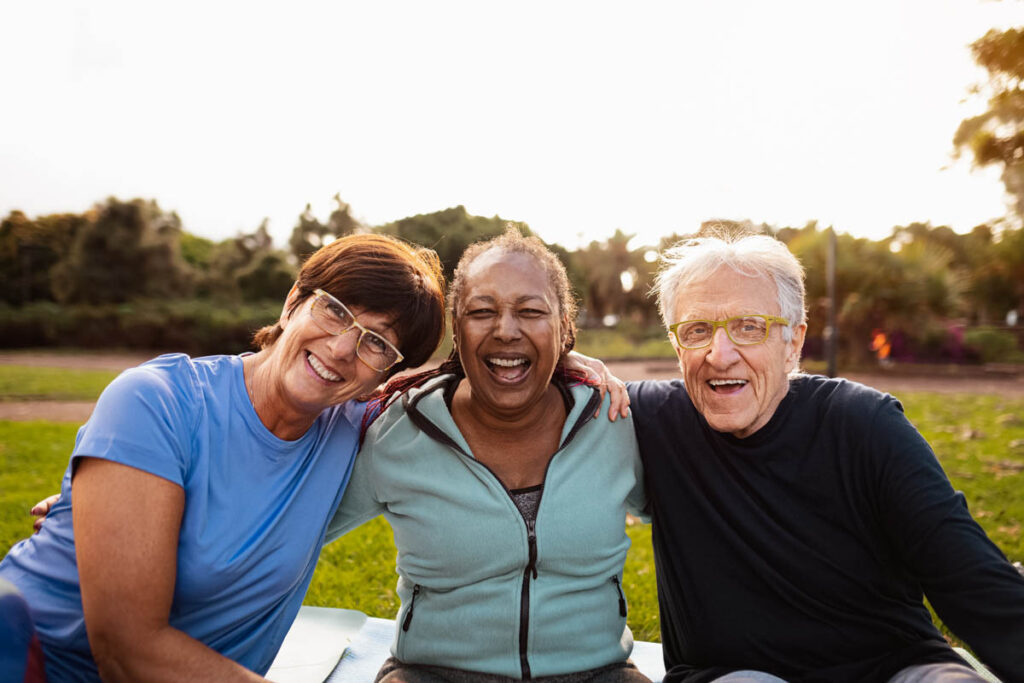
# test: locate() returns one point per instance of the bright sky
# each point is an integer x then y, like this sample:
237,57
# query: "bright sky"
575,117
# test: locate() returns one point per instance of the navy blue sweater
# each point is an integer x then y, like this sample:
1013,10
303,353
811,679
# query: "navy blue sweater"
804,549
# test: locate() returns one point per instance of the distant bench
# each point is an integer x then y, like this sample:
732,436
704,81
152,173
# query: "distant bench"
346,646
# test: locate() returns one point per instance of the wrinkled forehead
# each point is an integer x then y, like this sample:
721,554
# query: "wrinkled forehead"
502,274
725,293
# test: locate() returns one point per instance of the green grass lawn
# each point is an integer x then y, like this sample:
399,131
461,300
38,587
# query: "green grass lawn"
23,383
979,439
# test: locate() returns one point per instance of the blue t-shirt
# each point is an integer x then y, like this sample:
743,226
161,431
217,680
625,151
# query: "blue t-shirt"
256,509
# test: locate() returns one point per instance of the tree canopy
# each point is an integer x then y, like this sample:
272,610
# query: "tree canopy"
996,137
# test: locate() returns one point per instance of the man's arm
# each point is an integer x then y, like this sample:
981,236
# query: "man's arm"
978,594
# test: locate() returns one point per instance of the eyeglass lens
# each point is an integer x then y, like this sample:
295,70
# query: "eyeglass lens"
337,319
750,329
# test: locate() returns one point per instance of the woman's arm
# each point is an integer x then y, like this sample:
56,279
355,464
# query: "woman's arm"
126,525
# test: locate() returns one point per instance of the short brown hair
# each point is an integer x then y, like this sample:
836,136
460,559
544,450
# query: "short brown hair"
382,274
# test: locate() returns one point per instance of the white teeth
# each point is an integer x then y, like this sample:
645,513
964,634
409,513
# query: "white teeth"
322,370
507,362
725,382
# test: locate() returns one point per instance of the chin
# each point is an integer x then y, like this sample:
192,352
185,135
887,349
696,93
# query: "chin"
728,426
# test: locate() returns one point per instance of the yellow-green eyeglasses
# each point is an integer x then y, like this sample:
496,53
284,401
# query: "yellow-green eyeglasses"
743,330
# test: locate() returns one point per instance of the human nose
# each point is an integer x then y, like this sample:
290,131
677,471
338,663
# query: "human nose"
344,345
506,327
722,350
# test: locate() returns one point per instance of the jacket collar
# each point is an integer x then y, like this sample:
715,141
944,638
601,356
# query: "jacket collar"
427,409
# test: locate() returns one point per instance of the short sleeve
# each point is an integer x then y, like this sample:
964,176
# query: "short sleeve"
145,419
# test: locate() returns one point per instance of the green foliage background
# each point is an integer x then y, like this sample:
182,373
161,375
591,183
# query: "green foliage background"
126,274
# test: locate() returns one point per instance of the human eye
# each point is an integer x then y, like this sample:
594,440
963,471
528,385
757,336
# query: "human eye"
376,343
480,312
694,331
532,312
752,323
338,312
750,328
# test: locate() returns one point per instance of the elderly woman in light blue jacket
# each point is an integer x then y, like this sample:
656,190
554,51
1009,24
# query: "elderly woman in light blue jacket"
507,498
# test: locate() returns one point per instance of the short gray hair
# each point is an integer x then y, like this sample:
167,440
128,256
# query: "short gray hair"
753,255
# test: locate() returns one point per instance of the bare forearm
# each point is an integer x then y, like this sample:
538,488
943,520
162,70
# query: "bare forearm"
163,654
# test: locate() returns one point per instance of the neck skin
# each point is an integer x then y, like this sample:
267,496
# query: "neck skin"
286,422
528,422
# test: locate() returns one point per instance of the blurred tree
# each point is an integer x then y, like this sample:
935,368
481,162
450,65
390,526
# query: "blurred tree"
909,292
996,137
123,251
448,232
1008,265
309,234
268,277
617,281
197,251
29,249
248,267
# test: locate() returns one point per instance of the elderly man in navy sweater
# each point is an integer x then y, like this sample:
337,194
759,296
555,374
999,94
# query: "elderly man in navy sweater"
798,520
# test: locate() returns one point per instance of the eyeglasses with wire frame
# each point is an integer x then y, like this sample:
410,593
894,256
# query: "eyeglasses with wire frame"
743,330
333,317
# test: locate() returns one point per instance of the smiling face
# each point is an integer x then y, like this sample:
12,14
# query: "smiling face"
508,330
736,388
313,370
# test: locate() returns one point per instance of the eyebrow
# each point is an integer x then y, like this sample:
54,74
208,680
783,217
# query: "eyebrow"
486,298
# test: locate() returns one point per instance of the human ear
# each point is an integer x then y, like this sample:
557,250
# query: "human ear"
796,345
289,302
679,351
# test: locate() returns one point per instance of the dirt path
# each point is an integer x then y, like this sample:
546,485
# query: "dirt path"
973,382
78,411
78,361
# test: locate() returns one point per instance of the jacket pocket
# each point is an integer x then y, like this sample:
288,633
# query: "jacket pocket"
407,621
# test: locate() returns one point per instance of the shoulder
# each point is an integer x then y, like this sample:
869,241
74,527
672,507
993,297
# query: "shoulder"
171,377
649,399
149,415
656,392
586,401
408,410
836,398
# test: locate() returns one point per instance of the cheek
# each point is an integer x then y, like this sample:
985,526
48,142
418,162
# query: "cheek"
688,363
368,379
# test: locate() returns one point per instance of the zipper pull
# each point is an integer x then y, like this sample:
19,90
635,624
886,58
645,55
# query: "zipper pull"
412,605
531,532
622,598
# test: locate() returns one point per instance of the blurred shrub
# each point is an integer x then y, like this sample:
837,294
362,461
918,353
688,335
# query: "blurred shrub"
994,345
620,342
192,326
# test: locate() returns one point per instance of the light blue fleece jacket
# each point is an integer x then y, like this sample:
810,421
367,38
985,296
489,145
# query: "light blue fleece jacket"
480,589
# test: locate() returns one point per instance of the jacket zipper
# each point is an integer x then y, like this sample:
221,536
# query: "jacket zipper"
622,598
531,536
530,571
524,602
412,605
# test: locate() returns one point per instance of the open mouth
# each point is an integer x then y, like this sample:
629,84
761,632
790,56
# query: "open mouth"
321,370
508,368
726,386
